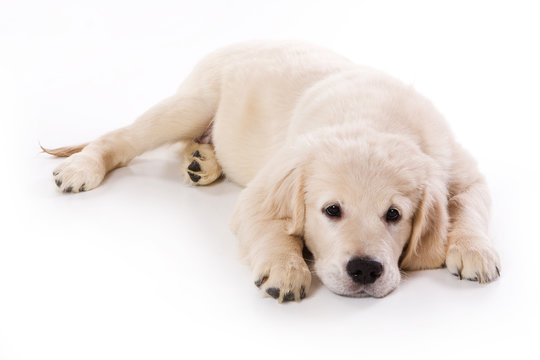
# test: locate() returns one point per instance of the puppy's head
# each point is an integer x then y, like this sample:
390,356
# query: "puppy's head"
373,202
365,203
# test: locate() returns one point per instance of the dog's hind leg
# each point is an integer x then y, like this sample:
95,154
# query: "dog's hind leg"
184,116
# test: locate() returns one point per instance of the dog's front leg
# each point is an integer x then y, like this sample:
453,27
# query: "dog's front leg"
471,255
269,222
276,260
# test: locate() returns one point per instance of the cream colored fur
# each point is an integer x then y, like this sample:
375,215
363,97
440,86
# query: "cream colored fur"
302,128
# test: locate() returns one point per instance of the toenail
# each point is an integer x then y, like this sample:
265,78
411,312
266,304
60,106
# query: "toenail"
68,189
273,292
197,154
261,281
288,296
302,292
58,182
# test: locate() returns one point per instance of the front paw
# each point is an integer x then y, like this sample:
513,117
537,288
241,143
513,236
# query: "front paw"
78,173
476,262
286,279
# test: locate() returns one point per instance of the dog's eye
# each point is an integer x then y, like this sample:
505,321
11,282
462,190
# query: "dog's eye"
333,211
393,215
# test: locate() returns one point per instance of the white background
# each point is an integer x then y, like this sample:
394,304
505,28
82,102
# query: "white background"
145,267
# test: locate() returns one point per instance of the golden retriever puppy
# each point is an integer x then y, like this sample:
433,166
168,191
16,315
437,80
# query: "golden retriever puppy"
342,159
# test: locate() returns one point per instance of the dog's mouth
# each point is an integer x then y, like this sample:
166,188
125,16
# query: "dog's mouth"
359,293
354,290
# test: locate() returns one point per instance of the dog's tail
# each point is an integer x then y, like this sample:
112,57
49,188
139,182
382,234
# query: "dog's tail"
64,151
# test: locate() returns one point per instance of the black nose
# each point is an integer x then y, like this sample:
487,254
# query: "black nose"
364,271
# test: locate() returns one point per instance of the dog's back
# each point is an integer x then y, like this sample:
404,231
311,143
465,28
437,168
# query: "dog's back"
259,85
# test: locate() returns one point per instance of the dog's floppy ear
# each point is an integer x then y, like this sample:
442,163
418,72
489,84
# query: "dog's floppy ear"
285,200
426,248
276,193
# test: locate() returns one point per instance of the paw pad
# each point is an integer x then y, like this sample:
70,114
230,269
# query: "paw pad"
194,166
197,154
194,177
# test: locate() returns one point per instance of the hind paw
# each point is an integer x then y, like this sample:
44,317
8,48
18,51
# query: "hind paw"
79,173
200,164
